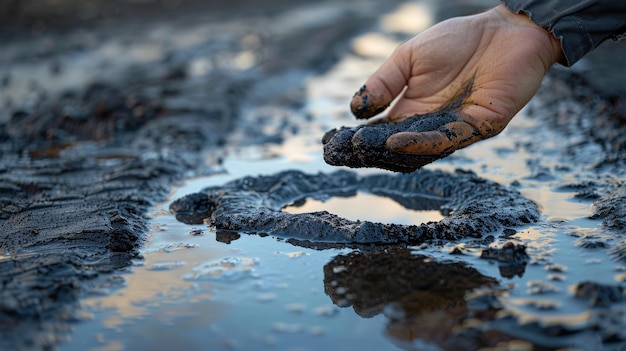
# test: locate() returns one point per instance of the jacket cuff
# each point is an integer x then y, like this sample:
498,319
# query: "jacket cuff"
580,26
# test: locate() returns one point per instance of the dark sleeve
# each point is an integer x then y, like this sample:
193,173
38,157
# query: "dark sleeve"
580,25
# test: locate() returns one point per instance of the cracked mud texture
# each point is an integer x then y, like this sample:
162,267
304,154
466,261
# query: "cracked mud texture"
364,145
253,205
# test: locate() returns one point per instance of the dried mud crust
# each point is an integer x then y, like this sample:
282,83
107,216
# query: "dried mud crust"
364,145
253,205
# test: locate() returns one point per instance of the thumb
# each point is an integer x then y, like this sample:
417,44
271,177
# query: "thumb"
383,86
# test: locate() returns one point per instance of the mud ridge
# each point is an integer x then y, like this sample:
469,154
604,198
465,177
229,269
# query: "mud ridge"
82,163
73,199
253,205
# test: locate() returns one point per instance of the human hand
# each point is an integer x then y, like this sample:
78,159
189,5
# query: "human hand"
482,68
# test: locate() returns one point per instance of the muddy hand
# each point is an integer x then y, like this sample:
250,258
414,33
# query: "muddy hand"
367,145
482,68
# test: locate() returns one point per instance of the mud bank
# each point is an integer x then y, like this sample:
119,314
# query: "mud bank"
592,125
473,207
90,144
75,186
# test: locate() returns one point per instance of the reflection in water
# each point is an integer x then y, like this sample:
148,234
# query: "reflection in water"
424,300
369,207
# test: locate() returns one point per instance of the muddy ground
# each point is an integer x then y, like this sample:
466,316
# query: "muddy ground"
82,163
103,113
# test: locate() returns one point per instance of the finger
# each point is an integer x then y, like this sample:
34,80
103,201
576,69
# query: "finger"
487,121
448,138
383,86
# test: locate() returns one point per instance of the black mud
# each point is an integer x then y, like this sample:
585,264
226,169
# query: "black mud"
587,119
370,281
364,146
81,167
77,177
511,257
474,207
438,303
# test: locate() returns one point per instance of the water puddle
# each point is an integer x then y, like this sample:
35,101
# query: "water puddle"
198,289
367,207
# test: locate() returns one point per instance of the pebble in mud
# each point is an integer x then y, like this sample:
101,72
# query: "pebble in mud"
364,145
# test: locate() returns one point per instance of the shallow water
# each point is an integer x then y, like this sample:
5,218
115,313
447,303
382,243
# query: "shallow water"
197,289
200,290
379,209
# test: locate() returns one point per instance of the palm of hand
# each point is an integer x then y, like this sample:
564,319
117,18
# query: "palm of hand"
485,68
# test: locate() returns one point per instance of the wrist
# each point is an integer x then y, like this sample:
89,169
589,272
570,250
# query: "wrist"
553,52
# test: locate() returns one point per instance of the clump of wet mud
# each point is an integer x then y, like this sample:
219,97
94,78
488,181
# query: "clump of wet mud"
599,294
365,145
612,208
253,205
508,253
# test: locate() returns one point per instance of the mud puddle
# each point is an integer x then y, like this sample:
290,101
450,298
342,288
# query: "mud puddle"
383,210
201,289
554,283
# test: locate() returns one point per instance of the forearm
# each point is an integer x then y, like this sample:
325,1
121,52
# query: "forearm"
580,26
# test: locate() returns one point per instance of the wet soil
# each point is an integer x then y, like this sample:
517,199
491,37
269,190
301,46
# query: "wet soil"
89,146
253,205
364,146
